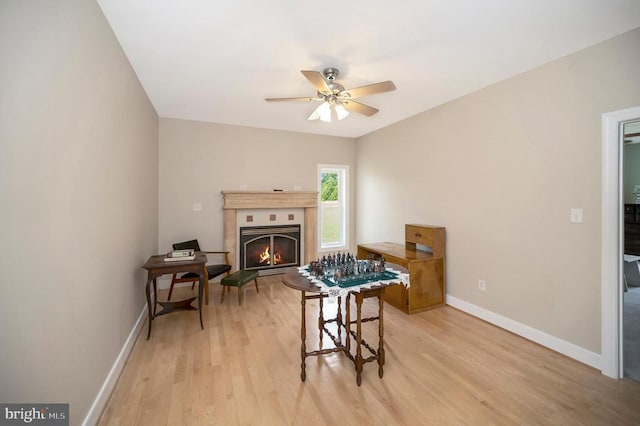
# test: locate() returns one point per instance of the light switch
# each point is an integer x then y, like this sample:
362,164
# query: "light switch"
197,207
576,216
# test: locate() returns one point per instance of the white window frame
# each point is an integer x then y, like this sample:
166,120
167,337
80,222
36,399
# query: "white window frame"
343,200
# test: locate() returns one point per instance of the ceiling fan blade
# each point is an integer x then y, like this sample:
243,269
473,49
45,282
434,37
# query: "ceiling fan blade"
315,115
358,107
307,98
371,89
316,79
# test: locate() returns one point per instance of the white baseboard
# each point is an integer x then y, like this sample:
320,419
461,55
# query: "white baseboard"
569,349
102,398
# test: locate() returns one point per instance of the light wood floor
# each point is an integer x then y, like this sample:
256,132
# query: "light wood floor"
442,367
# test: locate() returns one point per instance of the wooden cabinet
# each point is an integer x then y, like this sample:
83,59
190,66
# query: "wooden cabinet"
632,229
423,254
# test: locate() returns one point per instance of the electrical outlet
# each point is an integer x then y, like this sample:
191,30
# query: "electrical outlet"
482,285
576,215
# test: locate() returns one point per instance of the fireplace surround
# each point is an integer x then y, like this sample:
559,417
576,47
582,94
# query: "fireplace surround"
235,201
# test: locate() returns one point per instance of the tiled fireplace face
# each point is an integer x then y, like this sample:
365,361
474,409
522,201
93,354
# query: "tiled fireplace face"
270,239
269,247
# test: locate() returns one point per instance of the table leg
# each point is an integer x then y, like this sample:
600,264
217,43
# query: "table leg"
303,336
347,309
359,361
155,296
148,293
200,289
321,320
339,318
206,292
380,332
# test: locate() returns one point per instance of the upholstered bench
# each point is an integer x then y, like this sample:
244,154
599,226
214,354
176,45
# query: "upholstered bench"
239,279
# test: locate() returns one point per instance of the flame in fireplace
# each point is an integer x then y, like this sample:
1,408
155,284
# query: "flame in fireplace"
265,257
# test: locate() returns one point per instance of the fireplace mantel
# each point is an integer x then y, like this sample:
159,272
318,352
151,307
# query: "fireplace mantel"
269,199
237,200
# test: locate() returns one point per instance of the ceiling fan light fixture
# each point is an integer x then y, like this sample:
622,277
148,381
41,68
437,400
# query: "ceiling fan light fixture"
324,111
341,111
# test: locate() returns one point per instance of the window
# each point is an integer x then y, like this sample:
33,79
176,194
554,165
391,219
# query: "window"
332,188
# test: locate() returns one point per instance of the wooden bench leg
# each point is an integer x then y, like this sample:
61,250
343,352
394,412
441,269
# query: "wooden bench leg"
240,285
240,291
228,288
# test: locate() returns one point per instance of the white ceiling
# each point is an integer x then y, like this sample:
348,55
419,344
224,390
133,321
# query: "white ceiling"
216,61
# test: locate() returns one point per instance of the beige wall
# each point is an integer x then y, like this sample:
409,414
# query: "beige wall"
500,169
198,160
78,190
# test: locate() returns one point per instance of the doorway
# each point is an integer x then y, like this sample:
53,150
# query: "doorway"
612,274
631,250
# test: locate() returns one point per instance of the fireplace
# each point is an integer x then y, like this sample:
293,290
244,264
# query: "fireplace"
269,247
267,201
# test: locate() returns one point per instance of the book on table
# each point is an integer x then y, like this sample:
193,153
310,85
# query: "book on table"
180,255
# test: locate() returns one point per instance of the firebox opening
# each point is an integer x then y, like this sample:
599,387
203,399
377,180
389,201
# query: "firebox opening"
269,247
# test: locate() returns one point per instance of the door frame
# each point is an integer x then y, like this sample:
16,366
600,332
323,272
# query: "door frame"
612,240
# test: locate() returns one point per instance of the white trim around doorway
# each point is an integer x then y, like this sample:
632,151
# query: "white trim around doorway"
611,273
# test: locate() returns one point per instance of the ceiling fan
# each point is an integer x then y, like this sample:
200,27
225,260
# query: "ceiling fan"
335,98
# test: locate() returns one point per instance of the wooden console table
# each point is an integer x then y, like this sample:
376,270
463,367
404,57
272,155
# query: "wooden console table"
157,266
423,254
